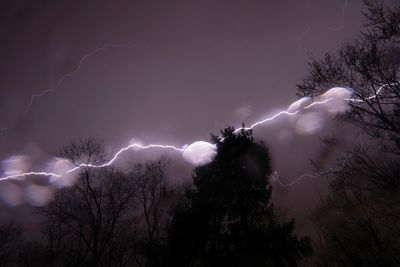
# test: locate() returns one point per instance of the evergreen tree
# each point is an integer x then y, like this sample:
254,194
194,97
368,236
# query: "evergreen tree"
227,217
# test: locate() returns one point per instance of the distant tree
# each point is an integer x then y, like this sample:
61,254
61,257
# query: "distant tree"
89,223
370,66
358,220
153,199
227,218
10,237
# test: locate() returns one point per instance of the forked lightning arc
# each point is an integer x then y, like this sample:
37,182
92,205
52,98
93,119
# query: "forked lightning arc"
201,152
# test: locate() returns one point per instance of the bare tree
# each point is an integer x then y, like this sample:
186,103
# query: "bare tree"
153,197
358,221
88,223
10,236
370,66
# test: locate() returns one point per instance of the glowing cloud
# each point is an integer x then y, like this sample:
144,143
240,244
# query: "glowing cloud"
37,195
309,123
299,104
199,153
336,100
339,96
16,165
60,165
10,194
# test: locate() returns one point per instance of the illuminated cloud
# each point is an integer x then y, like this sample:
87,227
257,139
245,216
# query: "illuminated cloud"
340,99
199,153
299,104
65,178
309,123
335,100
37,195
10,194
16,165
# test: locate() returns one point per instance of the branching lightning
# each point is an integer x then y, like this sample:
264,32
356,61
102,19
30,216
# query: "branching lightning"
373,96
169,147
73,72
29,174
81,62
284,112
123,150
201,147
83,165
275,176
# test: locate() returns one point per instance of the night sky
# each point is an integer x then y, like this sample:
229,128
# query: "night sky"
168,72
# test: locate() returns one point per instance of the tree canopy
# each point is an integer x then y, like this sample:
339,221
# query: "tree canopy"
227,218
358,220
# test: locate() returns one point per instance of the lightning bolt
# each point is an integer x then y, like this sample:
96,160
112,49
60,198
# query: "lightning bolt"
29,174
73,72
174,148
168,147
373,96
81,62
275,176
123,150
280,113
83,165
287,113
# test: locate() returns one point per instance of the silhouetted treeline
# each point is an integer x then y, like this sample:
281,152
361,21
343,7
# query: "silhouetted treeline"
224,216
227,218
133,217
359,221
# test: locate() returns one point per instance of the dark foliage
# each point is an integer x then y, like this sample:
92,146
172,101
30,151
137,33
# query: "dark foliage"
358,221
227,218
10,236
370,66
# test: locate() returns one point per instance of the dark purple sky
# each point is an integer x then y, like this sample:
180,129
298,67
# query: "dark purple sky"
186,69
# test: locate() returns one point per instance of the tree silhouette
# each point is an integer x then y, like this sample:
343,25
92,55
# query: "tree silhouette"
109,217
368,64
89,223
358,220
153,197
227,218
10,236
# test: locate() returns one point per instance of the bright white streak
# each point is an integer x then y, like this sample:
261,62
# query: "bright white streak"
182,149
29,174
93,165
373,96
123,150
159,146
280,114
